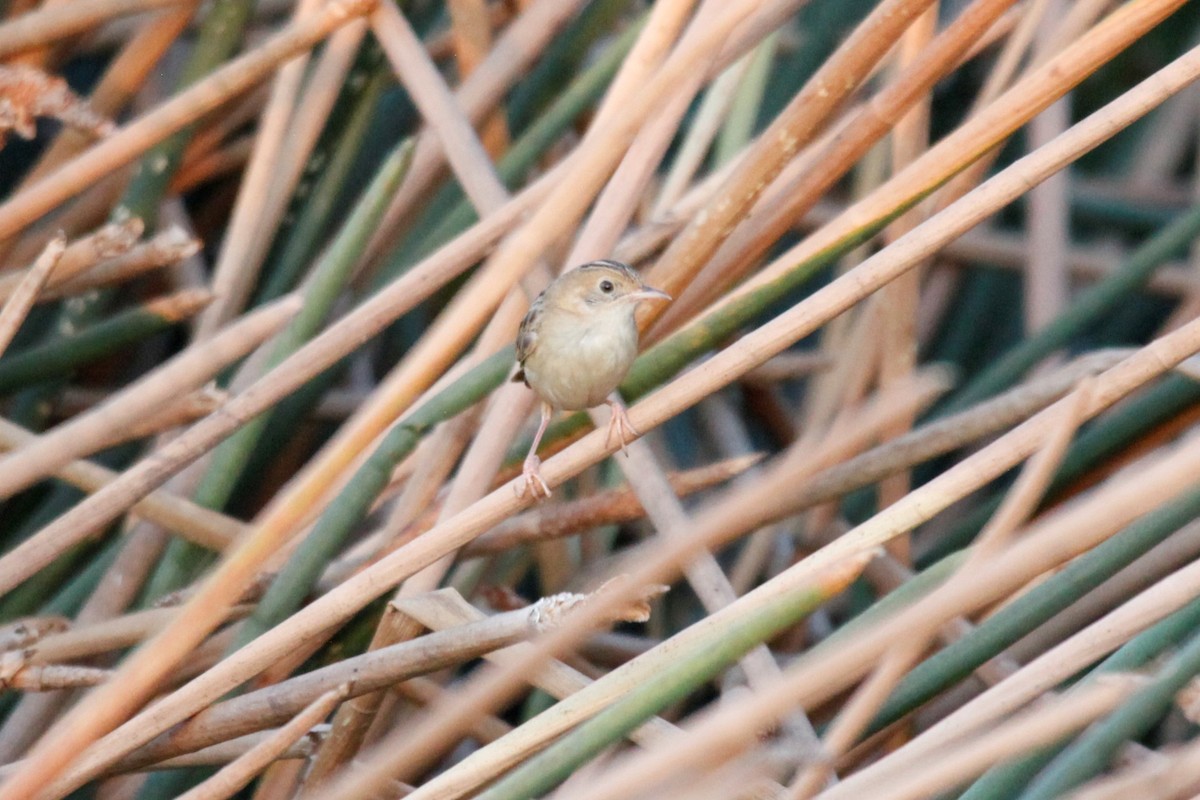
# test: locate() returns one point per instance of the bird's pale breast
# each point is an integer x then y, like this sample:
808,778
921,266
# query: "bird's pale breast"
577,364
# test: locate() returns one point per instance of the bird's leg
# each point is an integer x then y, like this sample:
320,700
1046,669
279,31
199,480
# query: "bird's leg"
531,475
619,424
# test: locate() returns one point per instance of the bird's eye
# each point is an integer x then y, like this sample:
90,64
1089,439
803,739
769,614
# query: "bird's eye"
606,286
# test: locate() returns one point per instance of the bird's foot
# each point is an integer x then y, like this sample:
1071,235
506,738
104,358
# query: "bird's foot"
620,426
531,479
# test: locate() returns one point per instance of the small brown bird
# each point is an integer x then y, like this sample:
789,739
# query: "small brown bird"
575,346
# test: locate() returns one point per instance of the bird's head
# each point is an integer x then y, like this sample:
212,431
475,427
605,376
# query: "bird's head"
603,285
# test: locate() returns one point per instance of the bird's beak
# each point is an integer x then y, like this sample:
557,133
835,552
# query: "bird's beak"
646,293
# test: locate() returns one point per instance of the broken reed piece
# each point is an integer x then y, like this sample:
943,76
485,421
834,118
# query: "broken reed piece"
25,294
27,93
25,631
603,508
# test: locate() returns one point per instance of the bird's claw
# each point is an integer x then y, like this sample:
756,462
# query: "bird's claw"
620,426
532,480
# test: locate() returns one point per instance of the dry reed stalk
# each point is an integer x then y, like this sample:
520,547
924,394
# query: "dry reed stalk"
105,635
198,524
618,200
555,678
1076,22
898,301
289,508
999,78
471,29
441,44
1085,130
711,114
25,294
324,84
35,713
731,435
947,435
684,391
1156,164
1061,536
1015,49
478,96
1019,504
223,753
27,630
237,774
435,460
1047,671
788,367
91,208
437,730
476,301
121,583
485,455
1087,262
135,138
53,22
1029,490
108,241
176,307
216,130
354,719
374,772
1023,733
966,144
52,450
795,127
41,57
857,339
505,495
322,352
116,591
744,38
610,507
704,573
18,675
281,780
123,78
419,75
830,157
245,238
351,724
124,410
1047,290
174,413
168,247
1116,380
370,671
427,691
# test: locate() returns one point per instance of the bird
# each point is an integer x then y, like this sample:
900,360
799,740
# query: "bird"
575,346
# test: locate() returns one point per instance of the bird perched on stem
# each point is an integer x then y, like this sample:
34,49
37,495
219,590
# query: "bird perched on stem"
575,346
